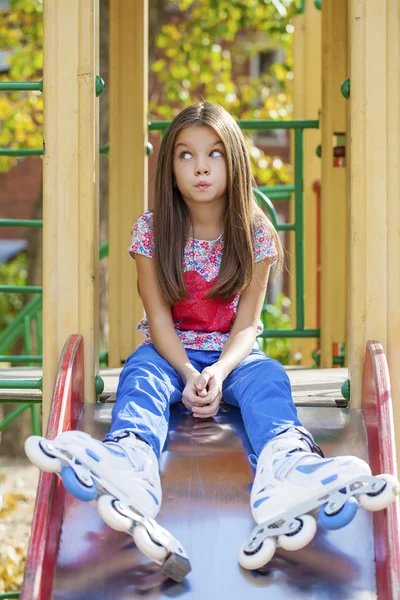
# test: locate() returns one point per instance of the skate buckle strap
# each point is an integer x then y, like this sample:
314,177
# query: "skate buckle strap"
288,463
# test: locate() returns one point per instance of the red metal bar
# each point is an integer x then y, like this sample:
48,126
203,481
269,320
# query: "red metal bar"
378,415
67,404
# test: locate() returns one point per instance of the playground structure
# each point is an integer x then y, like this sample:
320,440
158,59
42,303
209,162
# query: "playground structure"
360,281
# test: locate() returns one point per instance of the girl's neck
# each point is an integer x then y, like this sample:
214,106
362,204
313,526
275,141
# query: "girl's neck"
207,221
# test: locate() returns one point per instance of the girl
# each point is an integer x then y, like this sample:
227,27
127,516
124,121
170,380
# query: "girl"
203,258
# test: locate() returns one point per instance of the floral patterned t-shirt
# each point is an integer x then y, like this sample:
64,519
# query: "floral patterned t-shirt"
201,323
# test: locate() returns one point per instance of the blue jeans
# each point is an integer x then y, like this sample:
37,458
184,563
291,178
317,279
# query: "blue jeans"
148,385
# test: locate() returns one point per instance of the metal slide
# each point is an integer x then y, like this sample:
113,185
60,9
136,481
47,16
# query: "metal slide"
206,476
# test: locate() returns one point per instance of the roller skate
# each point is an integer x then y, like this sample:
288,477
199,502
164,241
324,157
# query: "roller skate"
122,475
292,481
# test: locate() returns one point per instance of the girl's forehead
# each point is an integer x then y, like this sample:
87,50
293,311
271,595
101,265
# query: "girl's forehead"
195,135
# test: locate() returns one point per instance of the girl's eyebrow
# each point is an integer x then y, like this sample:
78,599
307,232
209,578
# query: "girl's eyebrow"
189,144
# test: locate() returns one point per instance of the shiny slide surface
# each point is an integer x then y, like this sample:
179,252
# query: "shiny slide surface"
206,478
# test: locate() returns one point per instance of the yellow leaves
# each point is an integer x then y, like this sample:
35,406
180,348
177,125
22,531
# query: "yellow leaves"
5,108
158,66
12,565
12,558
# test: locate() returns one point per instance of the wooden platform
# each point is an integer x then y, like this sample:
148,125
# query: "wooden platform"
310,387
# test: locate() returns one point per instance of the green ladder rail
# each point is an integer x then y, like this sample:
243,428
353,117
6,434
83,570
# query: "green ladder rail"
284,191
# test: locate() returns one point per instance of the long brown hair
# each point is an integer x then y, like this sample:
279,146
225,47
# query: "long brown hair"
172,219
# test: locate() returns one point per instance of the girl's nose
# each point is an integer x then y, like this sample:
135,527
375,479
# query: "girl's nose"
202,168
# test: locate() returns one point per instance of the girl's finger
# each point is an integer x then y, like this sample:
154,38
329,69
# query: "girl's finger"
210,410
212,393
201,382
189,399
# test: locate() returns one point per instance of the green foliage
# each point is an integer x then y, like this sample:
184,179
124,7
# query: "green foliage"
203,52
13,272
276,316
200,46
21,113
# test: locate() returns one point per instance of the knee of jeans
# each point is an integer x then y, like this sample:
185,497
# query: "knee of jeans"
271,370
141,368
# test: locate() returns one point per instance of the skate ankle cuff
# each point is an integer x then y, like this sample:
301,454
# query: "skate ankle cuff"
308,438
110,437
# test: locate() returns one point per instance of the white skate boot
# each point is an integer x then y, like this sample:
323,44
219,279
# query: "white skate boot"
291,481
122,474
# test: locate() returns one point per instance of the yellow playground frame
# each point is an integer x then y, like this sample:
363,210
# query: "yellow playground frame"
360,276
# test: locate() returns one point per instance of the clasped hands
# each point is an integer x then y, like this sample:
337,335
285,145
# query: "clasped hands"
203,392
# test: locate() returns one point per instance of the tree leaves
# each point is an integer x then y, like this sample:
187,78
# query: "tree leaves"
203,52
21,113
15,521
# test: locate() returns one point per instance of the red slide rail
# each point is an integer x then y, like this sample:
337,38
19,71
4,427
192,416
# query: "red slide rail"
378,415
67,403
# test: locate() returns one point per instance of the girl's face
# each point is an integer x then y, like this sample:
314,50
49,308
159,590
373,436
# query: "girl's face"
199,165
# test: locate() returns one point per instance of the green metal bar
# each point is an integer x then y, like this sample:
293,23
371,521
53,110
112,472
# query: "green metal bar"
274,189
299,222
286,227
39,331
103,252
21,152
14,329
21,86
290,333
20,384
12,358
21,223
279,195
103,356
10,595
262,125
27,335
13,415
35,420
260,197
22,289
21,400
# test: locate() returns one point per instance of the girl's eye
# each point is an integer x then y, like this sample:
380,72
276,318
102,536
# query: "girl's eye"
185,154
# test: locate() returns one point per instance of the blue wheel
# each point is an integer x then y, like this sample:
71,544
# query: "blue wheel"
75,487
341,518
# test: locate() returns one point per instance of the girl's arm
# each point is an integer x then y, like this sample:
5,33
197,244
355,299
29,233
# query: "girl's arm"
244,331
161,325
238,345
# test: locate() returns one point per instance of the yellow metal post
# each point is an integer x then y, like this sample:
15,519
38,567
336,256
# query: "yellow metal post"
307,104
128,166
374,185
70,195
334,254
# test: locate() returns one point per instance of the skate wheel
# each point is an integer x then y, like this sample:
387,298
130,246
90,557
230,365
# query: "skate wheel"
40,458
75,487
110,514
302,536
383,499
146,545
260,557
342,517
